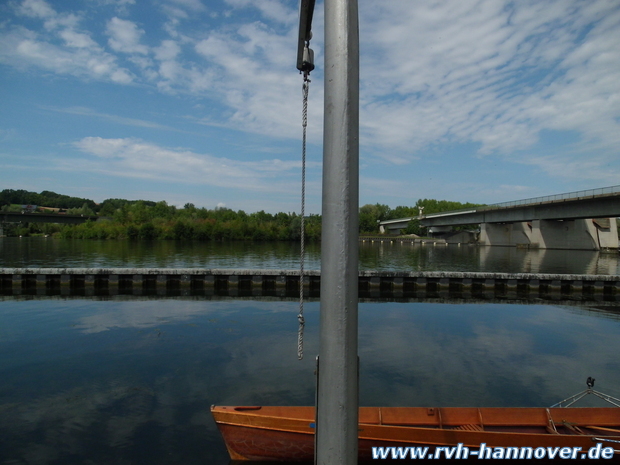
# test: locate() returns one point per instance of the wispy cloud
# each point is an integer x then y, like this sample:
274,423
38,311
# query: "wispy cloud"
84,111
602,170
36,9
59,47
495,75
130,157
125,36
270,9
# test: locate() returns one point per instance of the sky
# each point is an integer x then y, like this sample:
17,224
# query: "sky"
200,101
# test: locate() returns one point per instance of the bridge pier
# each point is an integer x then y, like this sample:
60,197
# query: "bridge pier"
607,232
584,234
580,234
507,234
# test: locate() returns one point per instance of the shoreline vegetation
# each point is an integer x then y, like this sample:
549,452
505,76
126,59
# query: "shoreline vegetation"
148,220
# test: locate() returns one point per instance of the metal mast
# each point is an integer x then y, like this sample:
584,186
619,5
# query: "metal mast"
338,397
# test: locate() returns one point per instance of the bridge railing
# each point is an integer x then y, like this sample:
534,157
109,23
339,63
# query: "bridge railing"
553,198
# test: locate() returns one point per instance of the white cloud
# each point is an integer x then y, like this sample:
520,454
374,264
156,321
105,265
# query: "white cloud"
193,5
23,48
602,170
121,5
125,36
42,10
175,15
253,72
170,71
136,158
496,74
76,53
168,50
36,9
77,39
491,72
270,9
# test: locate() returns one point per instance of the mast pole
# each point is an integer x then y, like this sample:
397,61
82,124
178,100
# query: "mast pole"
338,383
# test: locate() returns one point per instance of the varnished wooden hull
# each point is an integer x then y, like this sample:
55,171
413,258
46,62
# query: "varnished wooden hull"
287,433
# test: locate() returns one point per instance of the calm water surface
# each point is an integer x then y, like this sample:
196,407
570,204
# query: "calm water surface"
130,381
51,252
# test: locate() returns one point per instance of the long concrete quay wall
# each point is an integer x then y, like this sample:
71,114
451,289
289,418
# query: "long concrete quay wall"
166,282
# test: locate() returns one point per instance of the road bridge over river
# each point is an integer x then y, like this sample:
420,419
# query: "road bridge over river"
26,217
576,220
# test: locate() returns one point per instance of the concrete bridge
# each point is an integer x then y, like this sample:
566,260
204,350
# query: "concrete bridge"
576,220
25,217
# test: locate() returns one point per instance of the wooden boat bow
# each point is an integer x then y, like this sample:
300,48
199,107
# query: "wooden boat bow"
287,433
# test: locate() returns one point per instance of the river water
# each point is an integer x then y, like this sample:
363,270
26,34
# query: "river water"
129,380
381,256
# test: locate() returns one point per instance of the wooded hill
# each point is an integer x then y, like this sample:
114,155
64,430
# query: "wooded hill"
144,219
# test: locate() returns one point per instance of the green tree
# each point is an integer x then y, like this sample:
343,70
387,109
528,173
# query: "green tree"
294,228
413,227
83,210
132,231
183,230
121,215
370,215
147,231
139,212
162,210
403,212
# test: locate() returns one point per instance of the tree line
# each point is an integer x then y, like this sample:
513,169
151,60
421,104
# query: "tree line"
45,198
144,219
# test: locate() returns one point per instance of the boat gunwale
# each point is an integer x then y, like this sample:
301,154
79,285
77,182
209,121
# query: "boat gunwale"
373,429
489,423
421,429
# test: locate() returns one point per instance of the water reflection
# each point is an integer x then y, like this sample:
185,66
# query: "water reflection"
549,261
53,252
409,257
131,381
381,256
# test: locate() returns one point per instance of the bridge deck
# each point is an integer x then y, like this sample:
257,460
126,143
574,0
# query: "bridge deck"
166,282
594,203
61,218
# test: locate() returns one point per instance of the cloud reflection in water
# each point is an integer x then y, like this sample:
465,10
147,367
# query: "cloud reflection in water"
131,381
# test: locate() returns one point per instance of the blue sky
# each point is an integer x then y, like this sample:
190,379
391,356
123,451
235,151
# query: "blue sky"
199,100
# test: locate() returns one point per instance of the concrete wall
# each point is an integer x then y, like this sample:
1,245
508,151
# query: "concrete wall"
205,283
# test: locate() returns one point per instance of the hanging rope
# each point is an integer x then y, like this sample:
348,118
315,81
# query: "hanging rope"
300,316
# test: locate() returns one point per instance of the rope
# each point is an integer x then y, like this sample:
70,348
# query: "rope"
300,316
